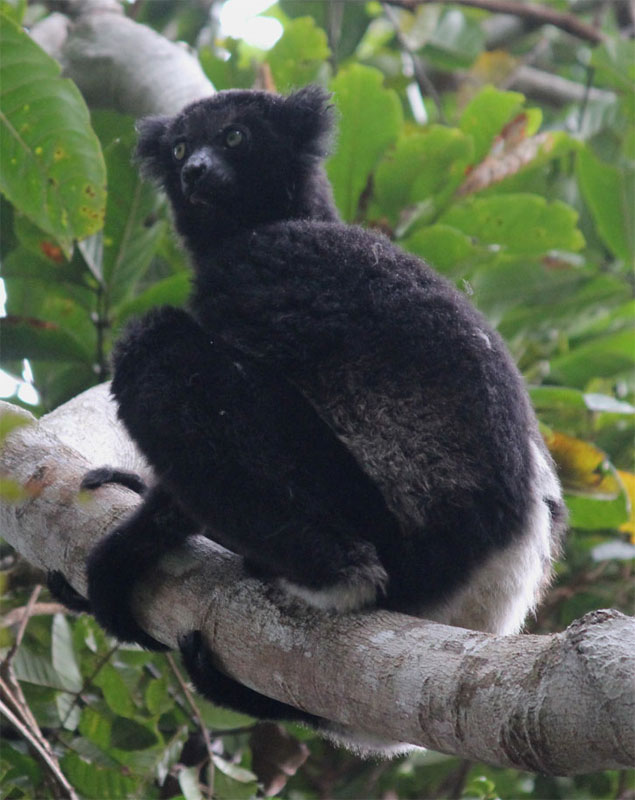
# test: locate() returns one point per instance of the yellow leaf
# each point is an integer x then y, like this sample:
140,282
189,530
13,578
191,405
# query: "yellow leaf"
628,480
583,468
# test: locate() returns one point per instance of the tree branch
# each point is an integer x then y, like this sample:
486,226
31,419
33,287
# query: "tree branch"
559,704
118,63
542,15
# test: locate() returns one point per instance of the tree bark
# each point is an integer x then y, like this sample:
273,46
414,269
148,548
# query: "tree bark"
559,704
118,63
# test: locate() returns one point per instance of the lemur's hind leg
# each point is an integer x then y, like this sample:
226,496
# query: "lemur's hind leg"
57,583
130,551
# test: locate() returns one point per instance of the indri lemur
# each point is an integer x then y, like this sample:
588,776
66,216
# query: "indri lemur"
328,407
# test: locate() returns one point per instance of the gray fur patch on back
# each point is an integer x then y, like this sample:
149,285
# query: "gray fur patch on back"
405,446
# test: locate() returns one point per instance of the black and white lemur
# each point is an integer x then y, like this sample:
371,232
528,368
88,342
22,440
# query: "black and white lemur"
328,407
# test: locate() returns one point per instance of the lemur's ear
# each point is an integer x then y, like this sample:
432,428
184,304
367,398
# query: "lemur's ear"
309,117
150,145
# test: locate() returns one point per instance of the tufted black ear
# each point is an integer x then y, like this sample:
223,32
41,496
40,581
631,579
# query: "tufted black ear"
309,117
150,148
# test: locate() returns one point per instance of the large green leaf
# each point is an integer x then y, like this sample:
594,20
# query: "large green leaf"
52,166
132,231
445,248
614,64
371,118
37,339
115,691
485,115
344,22
456,41
609,193
63,655
520,223
299,53
172,291
605,356
424,165
566,299
95,726
129,734
94,781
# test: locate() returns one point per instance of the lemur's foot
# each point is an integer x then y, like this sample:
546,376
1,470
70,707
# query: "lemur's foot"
62,591
225,691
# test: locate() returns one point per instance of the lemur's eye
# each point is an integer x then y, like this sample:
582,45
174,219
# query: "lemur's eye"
179,150
234,137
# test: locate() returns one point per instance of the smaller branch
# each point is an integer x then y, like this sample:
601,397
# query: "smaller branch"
41,747
28,612
426,87
16,615
542,15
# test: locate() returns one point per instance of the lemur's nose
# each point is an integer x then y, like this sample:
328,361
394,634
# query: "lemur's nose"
197,167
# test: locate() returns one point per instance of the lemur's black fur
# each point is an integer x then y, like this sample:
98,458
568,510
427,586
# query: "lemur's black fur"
331,408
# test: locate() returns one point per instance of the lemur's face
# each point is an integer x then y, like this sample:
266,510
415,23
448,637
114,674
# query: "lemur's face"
238,155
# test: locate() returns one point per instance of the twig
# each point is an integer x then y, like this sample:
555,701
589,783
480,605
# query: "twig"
426,87
23,623
47,758
16,615
34,737
199,719
543,15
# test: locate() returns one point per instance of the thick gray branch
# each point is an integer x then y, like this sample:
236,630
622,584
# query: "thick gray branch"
561,704
120,64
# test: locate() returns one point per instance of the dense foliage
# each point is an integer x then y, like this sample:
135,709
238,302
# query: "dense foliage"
527,204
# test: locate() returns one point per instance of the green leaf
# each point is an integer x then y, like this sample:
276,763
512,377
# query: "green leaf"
609,192
298,55
188,781
20,767
63,654
422,165
172,291
95,781
95,726
233,771
346,22
486,114
521,283
603,357
442,246
591,514
568,300
614,64
53,170
456,42
371,118
171,753
12,420
226,788
38,339
115,691
92,753
520,223
14,9
128,734
131,232
157,698
34,668
68,710
229,73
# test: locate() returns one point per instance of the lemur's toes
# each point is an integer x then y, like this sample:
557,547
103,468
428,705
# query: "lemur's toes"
102,475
